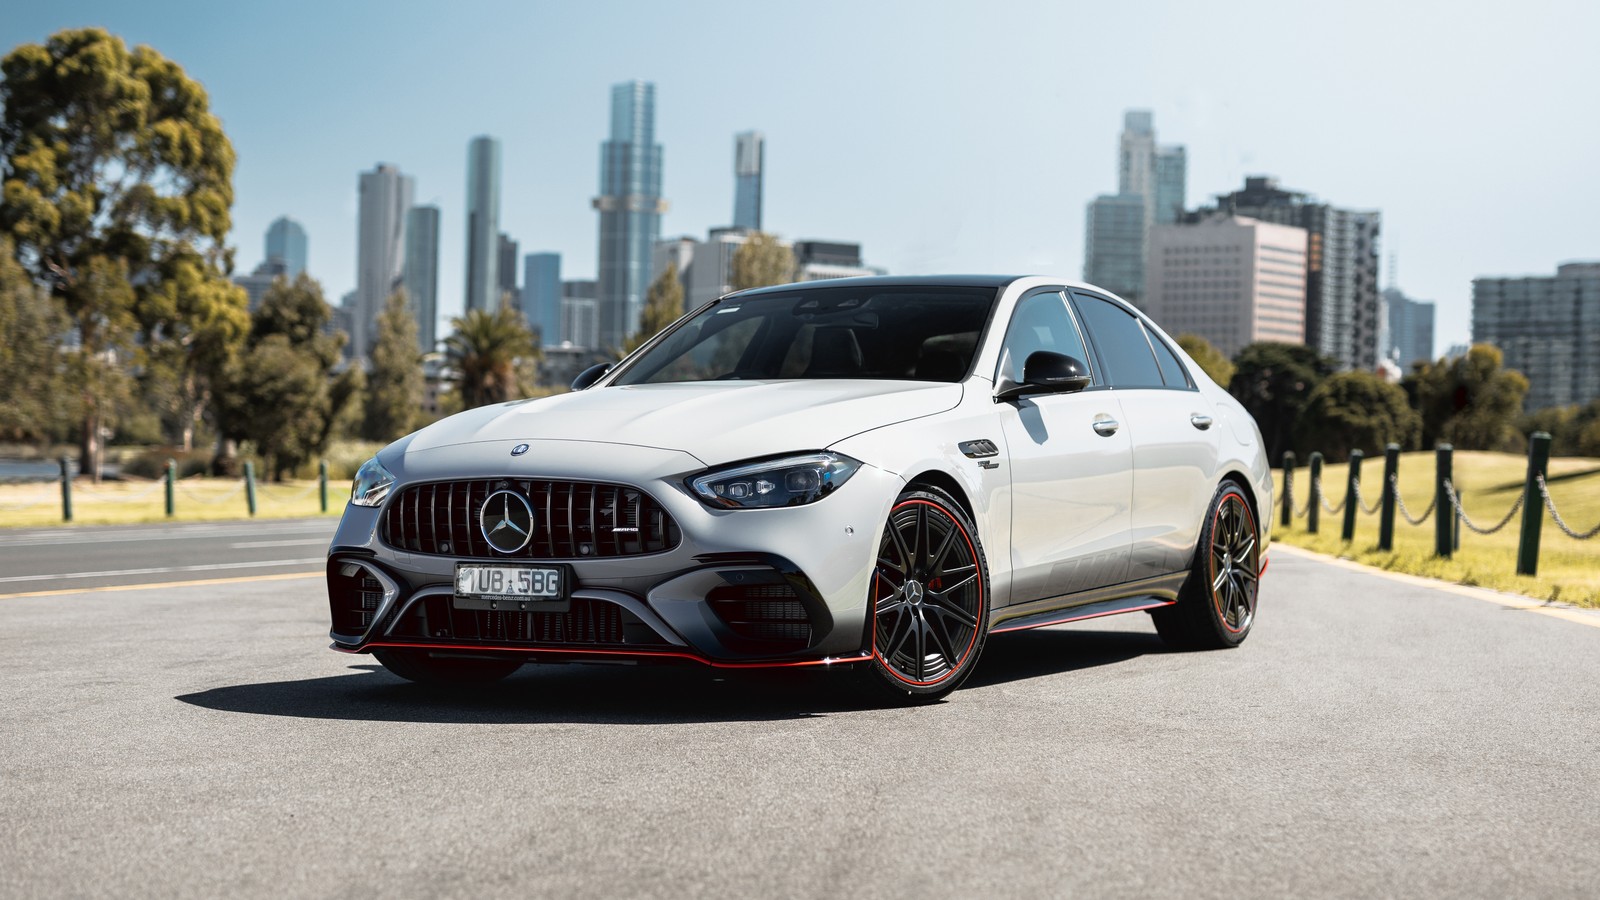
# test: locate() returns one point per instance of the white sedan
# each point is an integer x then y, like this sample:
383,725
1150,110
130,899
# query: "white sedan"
875,473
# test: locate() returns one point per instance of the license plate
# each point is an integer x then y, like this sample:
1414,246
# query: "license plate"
512,588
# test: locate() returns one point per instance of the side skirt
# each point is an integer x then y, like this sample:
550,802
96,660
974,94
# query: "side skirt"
1150,593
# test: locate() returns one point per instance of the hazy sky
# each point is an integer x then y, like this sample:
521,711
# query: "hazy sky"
942,136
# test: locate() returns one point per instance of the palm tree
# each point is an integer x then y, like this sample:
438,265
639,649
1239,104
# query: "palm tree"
486,351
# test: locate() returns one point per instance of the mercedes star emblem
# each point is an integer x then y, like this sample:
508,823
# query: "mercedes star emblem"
507,521
519,449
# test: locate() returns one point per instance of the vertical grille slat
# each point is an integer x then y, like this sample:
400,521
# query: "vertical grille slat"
573,520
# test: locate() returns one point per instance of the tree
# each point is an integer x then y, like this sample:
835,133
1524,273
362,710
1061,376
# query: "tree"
117,184
1470,401
759,262
32,367
1274,382
663,305
492,354
1357,411
394,393
1208,356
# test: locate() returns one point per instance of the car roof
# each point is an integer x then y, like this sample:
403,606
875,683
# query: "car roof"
971,281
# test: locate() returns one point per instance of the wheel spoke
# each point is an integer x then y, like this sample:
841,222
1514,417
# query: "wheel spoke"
900,546
947,607
884,563
921,545
1245,549
1221,577
943,551
952,588
919,628
941,636
902,631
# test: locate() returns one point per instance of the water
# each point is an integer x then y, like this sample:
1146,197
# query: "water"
43,470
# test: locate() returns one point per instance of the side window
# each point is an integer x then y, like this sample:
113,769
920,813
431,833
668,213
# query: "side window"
1040,322
1125,354
1171,369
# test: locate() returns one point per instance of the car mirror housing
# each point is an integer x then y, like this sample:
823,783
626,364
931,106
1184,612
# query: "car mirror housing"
590,375
1046,372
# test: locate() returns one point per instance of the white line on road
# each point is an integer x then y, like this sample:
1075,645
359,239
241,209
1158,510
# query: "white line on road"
162,570
303,542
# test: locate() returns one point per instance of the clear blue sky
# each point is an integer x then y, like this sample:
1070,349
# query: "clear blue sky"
942,136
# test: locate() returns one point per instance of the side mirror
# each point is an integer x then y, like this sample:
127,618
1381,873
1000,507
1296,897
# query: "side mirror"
1046,372
591,375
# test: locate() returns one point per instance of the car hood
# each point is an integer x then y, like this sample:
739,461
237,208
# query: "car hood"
714,421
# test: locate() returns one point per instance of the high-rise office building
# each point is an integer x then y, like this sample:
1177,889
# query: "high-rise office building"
506,291
257,283
422,273
1410,329
541,295
580,314
1344,307
286,242
630,207
1151,184
483,224
749,153
1548,328
380,248
1229,279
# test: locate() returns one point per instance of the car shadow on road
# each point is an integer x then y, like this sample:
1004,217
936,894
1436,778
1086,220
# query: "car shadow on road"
646,695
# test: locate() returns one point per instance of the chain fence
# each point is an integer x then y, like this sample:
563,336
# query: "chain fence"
220,498
117,497
270,492
1361,502
1400,501
1544,491
1461,512
1331,510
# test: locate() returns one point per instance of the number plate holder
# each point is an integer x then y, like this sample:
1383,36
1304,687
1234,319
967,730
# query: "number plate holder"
522,588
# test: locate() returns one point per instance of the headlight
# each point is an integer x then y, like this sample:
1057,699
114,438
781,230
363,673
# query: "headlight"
371,484
789,481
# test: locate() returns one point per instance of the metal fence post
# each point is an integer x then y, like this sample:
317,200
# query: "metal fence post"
322,483
172,483
66,489
1391,483
1352,503
1288,488
1444,512
250,486
1314,507
1533,504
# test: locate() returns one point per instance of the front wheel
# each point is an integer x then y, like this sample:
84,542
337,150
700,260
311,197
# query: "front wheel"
423,668
930,600
1217,604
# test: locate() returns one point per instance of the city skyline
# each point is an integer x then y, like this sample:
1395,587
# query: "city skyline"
1464,190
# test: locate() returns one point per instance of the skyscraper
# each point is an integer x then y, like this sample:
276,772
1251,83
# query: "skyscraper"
541,295
749,153
507,266
1344,309
380,248
286,242
1410,328
422,272
630,207
1151,181
483,224
1548,328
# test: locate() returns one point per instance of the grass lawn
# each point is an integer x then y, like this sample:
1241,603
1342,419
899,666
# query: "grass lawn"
1488,483
196,500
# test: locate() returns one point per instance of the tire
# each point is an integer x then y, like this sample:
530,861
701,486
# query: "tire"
1217,603
420,667
929,601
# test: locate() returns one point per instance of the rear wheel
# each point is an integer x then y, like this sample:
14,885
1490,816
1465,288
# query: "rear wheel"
930,600
1217,604
417,665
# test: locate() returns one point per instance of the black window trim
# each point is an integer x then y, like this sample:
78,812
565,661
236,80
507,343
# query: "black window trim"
1075,293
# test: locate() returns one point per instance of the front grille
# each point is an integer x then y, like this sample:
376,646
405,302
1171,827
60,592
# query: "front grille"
589,623
572,520
763,612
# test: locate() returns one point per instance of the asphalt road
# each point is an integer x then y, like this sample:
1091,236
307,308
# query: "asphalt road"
1372,738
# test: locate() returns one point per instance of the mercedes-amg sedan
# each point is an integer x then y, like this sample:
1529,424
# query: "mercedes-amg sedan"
875,473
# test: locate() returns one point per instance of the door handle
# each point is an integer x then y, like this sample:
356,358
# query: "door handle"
1106,427
1199,421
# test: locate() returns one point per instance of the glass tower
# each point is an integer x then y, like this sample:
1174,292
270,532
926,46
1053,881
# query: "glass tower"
749,151
286,242
483,224
1151,183
380,248
630,207
541,295
422,272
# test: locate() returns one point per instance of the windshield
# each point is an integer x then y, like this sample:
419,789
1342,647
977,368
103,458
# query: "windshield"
901,333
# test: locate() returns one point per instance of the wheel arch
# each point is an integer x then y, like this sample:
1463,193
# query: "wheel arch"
1242,482
949,485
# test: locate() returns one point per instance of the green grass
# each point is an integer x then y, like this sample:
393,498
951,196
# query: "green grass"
135,501
1488,483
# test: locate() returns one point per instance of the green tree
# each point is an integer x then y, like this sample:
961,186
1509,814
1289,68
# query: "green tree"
1208,356
1274,382
394,393
1358,411
32,367
759,262
1470,401
493,356
663,305
117,185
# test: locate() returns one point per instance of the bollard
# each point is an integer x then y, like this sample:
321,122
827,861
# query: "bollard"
1533,504
1444,515
1288,488
1314,507
172,483
1352,503
322,483
250,486
66,489
1391,483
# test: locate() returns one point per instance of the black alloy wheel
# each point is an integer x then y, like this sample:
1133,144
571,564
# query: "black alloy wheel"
930,599
1217,604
